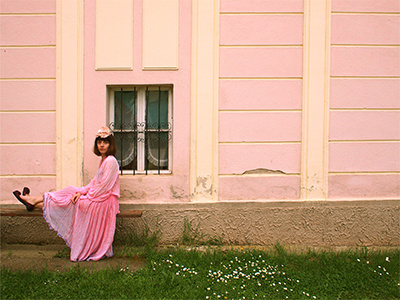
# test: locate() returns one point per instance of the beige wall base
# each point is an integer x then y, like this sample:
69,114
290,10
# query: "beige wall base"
316,223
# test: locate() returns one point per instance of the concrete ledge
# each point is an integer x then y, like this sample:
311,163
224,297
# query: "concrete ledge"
17,211
351,223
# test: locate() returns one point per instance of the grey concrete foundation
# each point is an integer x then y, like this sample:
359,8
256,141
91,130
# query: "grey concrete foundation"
311,223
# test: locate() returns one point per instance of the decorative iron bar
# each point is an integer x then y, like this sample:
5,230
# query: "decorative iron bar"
132,135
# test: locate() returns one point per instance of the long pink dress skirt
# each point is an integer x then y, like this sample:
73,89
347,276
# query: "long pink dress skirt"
88,226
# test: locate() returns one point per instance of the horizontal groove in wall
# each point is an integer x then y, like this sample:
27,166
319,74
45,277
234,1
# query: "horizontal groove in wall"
364,141
366,173
26,111
261,13
257,110
263,46
260,175
29,176
364,13
260,78
364,77
365,109
28,144
29,79
28,14
260,143
365,45
26,46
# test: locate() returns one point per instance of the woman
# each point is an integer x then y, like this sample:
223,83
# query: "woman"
85,217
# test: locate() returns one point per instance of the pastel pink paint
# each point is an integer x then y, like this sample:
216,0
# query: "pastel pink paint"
28,159
246,29
365,29
365,6
28,127
279,187
259,126
373,186
236,159
27,30
365,93
364,125
261,62
364,157
353,186
260,94
28,63
28,6
38,185
365,61
142,188
261,6
27,95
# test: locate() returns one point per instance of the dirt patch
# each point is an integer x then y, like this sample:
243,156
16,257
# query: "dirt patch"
55,258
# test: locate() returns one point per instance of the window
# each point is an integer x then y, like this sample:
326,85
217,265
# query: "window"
141,119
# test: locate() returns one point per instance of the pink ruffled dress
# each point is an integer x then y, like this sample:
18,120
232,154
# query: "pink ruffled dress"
88,226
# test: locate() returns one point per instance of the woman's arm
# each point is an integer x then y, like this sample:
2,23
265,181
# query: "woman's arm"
102,187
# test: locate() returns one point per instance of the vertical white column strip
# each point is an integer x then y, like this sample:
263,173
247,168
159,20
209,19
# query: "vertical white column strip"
160,34
314,163
69,93
204,101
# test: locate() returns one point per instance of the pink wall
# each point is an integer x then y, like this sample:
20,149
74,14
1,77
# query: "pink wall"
27,96
141,188
260,99
364,151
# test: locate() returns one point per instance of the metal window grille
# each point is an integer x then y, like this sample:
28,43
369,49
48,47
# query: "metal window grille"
142,130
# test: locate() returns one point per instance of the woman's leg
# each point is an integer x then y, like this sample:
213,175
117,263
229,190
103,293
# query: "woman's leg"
36,201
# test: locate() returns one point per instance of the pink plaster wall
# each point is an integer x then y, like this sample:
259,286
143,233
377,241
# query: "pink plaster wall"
364,186
365,93
261,29
364,157
278,187
237,159
260,94
261,6
28,6
28,30
27,97
367,61
365,6
260,99
138,188
261,62
27,160
259,126
28,63
364,125
27,127
365,29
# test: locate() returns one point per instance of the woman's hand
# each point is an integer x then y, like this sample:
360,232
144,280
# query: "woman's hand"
75,197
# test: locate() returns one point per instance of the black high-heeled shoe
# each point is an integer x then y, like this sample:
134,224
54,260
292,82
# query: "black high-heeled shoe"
26,191
29,207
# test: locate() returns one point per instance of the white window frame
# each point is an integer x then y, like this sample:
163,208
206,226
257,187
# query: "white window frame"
141,115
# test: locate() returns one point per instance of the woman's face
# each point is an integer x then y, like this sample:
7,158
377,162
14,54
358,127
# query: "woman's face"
103,146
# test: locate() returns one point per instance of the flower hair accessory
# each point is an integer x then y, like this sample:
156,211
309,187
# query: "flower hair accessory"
103,132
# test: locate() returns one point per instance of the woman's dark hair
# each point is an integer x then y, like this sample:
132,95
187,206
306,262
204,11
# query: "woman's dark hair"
112,149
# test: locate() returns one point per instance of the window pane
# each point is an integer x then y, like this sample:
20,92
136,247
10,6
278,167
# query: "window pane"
157,109
125,129
126,150
157,150
125,110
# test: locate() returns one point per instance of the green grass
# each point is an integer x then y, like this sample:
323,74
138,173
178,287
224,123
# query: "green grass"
248,274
